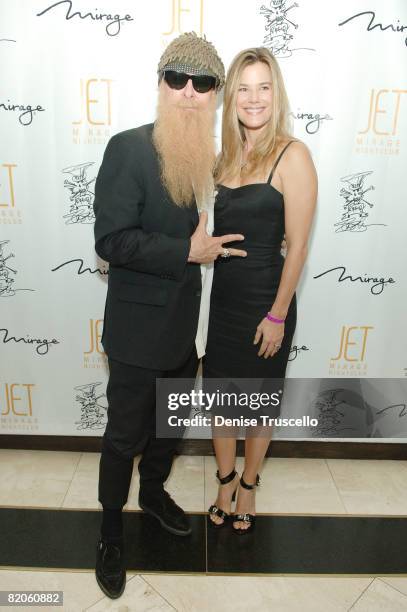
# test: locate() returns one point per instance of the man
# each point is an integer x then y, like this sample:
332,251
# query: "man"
147,227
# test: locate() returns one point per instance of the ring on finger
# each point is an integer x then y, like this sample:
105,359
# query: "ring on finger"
225,253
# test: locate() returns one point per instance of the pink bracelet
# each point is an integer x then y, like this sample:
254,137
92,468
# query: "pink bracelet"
274,319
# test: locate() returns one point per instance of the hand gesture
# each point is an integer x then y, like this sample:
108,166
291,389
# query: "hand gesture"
205,248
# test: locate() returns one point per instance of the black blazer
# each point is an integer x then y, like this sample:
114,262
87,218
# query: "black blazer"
153,297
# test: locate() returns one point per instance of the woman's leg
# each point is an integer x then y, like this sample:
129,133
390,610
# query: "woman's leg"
255,450
225,451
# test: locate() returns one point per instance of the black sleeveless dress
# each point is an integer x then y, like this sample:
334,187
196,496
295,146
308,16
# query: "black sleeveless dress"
244,289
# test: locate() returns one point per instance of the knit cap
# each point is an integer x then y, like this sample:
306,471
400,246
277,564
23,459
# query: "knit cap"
194,55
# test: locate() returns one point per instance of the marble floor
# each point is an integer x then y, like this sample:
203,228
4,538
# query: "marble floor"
325,498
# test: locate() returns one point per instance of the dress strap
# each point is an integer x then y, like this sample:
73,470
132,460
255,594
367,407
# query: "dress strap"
278,159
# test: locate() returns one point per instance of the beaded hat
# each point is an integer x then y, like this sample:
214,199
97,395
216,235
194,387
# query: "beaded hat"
194,55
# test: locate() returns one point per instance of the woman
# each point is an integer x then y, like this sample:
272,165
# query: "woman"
267,187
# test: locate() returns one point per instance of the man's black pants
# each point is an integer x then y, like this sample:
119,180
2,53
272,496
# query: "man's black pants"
130,430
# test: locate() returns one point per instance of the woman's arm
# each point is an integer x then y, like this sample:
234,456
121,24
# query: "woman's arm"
300,189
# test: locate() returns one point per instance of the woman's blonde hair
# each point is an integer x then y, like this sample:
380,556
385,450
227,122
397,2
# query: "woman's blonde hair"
233,136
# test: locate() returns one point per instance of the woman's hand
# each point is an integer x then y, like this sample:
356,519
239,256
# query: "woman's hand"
272,335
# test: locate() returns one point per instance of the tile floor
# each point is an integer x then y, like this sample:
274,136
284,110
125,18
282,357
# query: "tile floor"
48,479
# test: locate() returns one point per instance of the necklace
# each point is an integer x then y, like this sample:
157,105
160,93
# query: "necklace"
243,164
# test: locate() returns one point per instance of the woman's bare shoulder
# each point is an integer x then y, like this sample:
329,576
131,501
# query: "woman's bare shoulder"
297,160
294,155
297,148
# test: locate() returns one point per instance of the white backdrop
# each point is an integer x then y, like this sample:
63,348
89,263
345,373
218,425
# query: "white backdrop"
73,75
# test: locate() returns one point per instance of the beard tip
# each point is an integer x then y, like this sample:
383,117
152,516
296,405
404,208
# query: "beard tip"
187,154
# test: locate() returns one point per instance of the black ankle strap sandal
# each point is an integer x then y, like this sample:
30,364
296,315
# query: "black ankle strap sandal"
248,518
227,478
214,509
248,486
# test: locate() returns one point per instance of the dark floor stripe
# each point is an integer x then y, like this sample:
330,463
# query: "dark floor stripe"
279,544
67,539
313,544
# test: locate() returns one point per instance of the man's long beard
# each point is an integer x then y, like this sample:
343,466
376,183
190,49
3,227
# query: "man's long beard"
185,142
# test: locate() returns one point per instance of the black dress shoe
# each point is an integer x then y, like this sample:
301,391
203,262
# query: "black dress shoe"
110,572
160,505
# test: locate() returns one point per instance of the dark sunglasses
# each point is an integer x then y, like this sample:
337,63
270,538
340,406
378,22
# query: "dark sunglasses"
201,83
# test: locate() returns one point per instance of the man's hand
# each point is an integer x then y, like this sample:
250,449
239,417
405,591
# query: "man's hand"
205,249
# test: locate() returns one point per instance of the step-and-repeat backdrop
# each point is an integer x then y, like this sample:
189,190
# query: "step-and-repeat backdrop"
73,75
